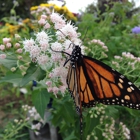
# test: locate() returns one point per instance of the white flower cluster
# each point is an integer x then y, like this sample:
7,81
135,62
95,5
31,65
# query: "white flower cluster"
33,115
125,131
99,49
131,56
97,110
99,42
41,9
132,61
89,136
38,47
107,125
6,45
45,49
109,130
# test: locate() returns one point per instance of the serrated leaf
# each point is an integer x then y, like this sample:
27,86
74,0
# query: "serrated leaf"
33,73
40,100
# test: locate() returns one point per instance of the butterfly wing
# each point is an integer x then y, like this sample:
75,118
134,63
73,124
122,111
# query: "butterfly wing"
100,83
91,81
74,89
73,86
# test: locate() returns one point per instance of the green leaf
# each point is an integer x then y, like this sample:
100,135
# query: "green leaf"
134,113
11,77
9,62
40,100
66,111
33,73
112,111
71,136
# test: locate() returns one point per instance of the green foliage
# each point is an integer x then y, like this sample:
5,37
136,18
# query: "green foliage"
65,117
11,77
18,132
40,100
9,62
115,34
33,73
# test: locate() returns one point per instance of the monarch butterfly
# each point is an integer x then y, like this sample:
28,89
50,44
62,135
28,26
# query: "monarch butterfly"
90,81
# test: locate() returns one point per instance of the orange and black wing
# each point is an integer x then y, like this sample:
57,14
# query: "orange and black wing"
95,82
91,81
100,83
74,87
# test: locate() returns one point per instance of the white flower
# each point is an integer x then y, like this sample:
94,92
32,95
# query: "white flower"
35,52
23,90
2,56
33,127
32,110
37,133
38,126
19,50
62,89
56,72
56,57
44,45
17,36
128,55
6,40
77,41
16,121
47,26
8,45
28,44
117,57
43,16
67,43
57,20
42,36
56,46
70,31
36,116
2,47
42,59
42,21
105,48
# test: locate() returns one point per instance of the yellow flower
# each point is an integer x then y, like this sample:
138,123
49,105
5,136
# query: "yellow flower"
62,10
44,5
33,8
65,9
27,20
12,28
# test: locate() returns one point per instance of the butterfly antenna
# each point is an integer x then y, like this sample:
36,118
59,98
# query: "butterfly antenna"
60,51
61,32
64,35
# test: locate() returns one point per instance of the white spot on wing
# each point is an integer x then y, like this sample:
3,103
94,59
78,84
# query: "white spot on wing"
131,87
129,83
